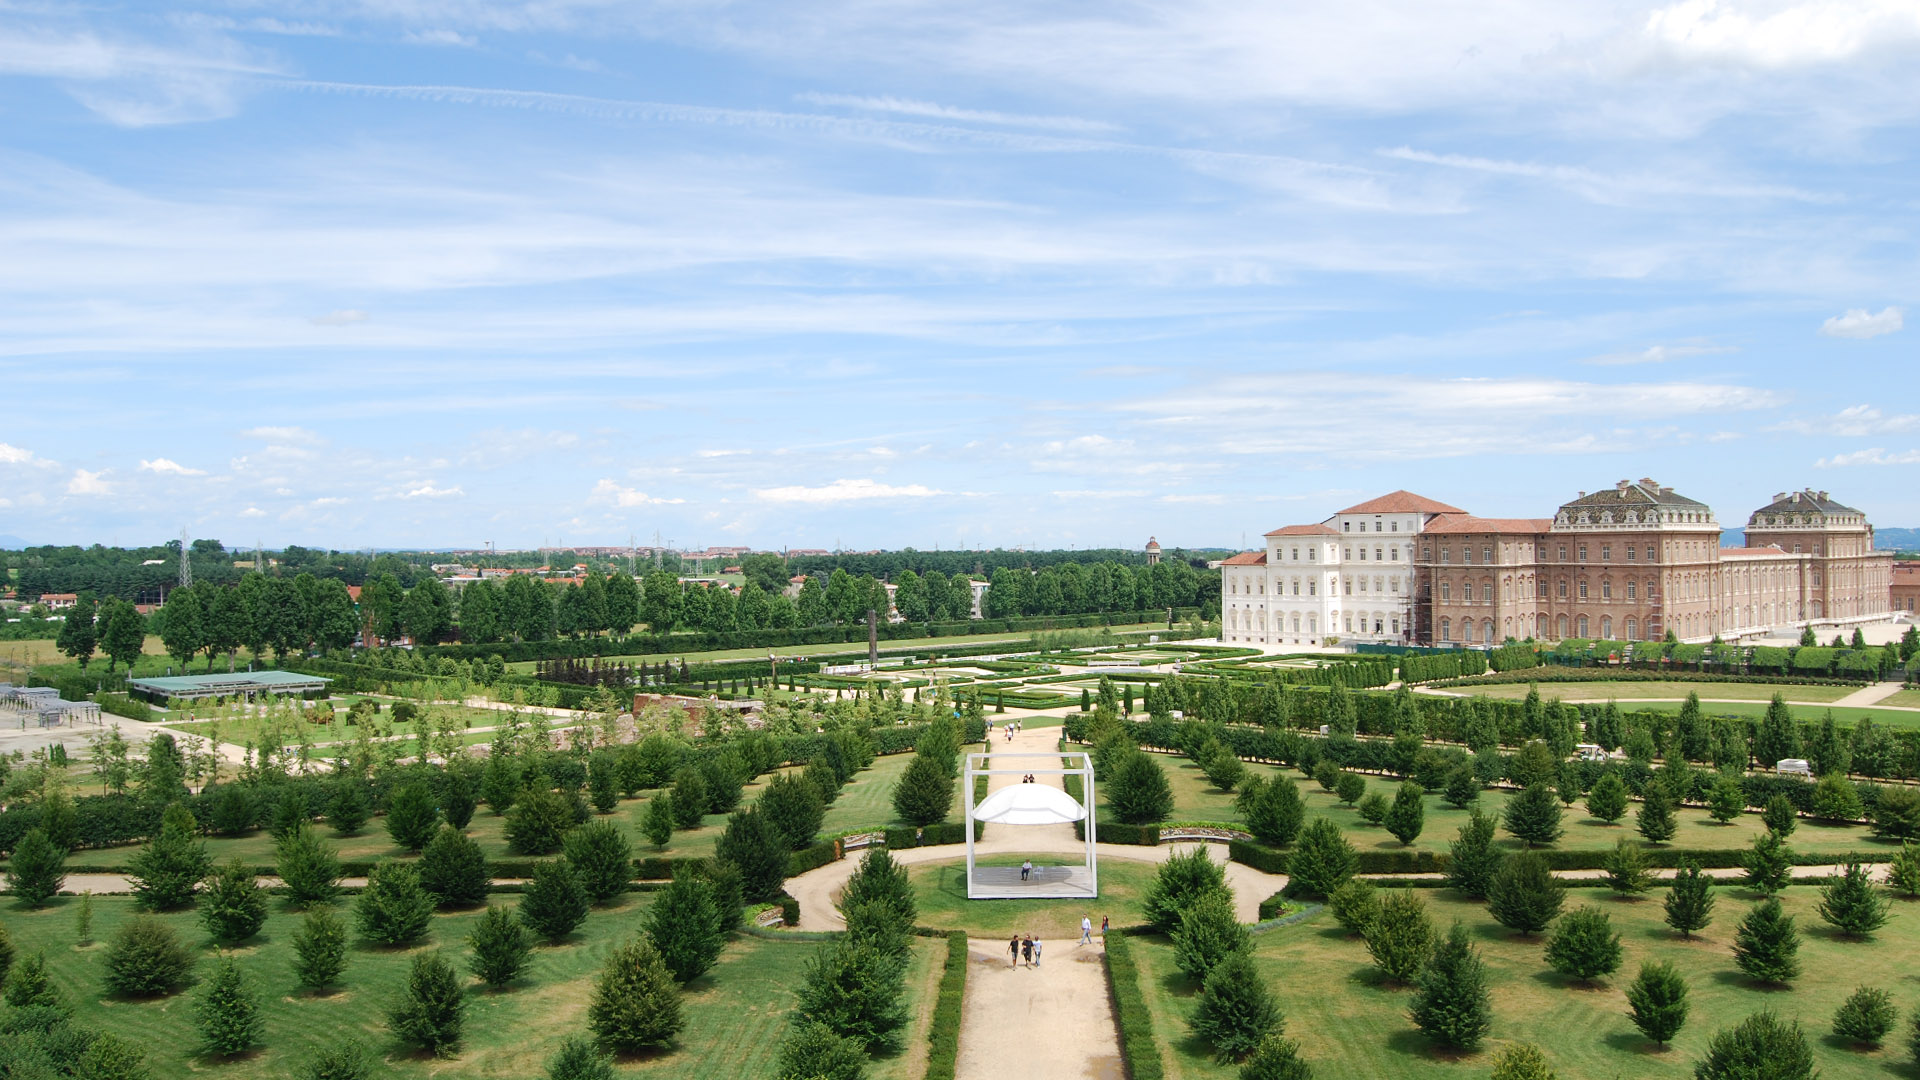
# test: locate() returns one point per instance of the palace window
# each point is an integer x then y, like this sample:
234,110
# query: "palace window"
1363,554
1346,526
1630,586
1486,554
1376,554
1583,553
1486,592
1446,590
1606,590
1633,627
1446,556
1347,587
1446,629
1346,553
1583,590
1394,554
1563,588
1606,626
1312,587
1606,552
1583,626
1394,526
1630,552
1650,555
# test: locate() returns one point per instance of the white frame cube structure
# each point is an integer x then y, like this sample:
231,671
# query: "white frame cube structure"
1046,882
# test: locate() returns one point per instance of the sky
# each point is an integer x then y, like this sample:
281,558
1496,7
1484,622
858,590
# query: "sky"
886,273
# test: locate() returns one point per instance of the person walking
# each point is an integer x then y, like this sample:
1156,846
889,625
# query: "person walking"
1013,950
1026,949
1036,952
1086,930
1105,921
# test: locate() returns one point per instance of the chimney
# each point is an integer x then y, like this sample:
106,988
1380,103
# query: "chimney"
1582,495
1647,482
1622,486
1823,496
1796,496
1779,496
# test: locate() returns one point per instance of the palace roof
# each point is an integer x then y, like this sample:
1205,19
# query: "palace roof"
1305,530
1401,502
1628,494
1246,558
1447,524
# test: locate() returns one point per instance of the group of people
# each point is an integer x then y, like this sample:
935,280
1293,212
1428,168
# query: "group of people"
1026,947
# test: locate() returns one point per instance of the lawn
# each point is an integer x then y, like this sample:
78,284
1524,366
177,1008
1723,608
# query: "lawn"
736,1014
1906,699
940,889
1351,1025
1629,691
241,729
834,650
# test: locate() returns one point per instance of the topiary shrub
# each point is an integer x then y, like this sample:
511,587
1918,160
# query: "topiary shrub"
601,858
453,869
145,958
1584,945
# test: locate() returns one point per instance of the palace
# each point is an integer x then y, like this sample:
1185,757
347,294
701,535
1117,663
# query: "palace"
1627,563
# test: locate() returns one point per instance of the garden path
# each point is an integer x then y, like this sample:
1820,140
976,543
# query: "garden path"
1054,1020
1871,694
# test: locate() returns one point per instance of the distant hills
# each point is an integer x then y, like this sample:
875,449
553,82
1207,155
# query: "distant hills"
1883,539
11,543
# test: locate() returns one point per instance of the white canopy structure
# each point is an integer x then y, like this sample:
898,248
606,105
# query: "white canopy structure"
1025,804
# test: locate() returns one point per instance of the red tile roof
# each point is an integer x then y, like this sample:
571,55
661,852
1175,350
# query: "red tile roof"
1402,502
1305,530
1450,524
1246,558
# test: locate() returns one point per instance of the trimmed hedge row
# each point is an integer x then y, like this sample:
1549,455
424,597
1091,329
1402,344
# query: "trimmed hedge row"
812,857
943,832
1273,861
943,1035
1137,1045
1558,673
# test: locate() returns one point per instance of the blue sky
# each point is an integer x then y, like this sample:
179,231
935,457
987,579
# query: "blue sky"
387,272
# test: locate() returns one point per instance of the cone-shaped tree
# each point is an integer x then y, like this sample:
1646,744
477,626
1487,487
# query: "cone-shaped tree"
1726,799
1408,815
1355,904
432,1009
165,873
555,903
658,823
795,808
1851,904
1472,858
319,948
1180,881
1450,1001
579,1058
879,878
501,946
1350,787
1273,810
1780,816
1276,1058
228,1012
685,926
1903,874
1138,792
1628,871
1769,865
347,807
813,1051
1608,799
234,906
1400,938
453,869
924,793
37,868
1209,931
30,987
1689,901
1321,862
1462,788
146,959
337,1061
1235,1010
308,866
1584,945
1657,1001
539,820
856,990
1521,1061
751,844
1523,895
457,801
602,858
1762,1045
1866,1016
412,816
393,909
689,797
1534,815
1767,946
1656,818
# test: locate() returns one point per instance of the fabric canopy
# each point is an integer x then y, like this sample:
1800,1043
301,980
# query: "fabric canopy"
1029,804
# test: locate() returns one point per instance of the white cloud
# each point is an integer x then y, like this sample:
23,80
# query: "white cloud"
1794,35
440,37
283,435
428,491
342,317
1657,354
1133,493
905,107
842,491
253,512
1856,323
89,483
170,467
606,491
1875,456
14,455
721,453
1855,420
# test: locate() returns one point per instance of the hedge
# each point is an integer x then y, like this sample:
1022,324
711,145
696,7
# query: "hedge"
1271,907
122,705
811,857
1137,1044
943,1035
1371,863
789,910
941,832
1118,833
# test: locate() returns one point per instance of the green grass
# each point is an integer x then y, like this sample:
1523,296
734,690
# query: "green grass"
1908,699
1350,1025
241,730
829,649
1627,691
736,1014
940,890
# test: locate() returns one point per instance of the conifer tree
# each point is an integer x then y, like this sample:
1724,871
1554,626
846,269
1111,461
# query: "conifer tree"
1400,938
1656,818
432,1010
145,958
1521,1061
1865,1017
1851,904
1903,874
1627,867
814,1052
1450,1004
37,869
1350,787
1608,799
1355,904
689,796
1473,859
1177,883
751,845
412,816
1689,900
1235,1011
602,859
320,948
1408,816
555,903
1584,945
500,947
1780,816
856,990
347,808
1138,791
165,873
457,801
1321,862
234,906
1767,946
579,1058
658,823
539,820
1762,1045
795,808
1769,865
1276,1058
1726,799
453,869
1208,932
1523,895
1777,737
686,927
1462,787
1273,810
880,878
1534,815
1657,1001
924,793
30,987
308,867
394,909
228,1012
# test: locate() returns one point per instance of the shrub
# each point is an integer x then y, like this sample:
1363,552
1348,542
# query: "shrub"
1835,799
37,868
1866,1016
1462,787
146,959
1235,1012
1851,904
1373,808
1727,798
1780,816
1355,904
1472,858
1523,895
658,823
814,1052
1689,900
1139,793
579,1059
600,855
1608,799
1273,810
6,953
1762,1045
394,909
1656,819
1658,1001
751,844
110,1057
539,820
555,903
1627,868
1769,865
1178,882
1534,815
412,816
308,866
1450,1001
432,1010
171,866
1208,932
857,991
1767,946
689,797
1350,787
347,809
336,1061
795,807
1584,945
234,906
1903,875
501,949
319,948
635,1003
29,986
453,869
1322,860
1521,1061
686,926
1276,1058
228,1013
1400,937
233,809
880,879
1896,813
924,793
